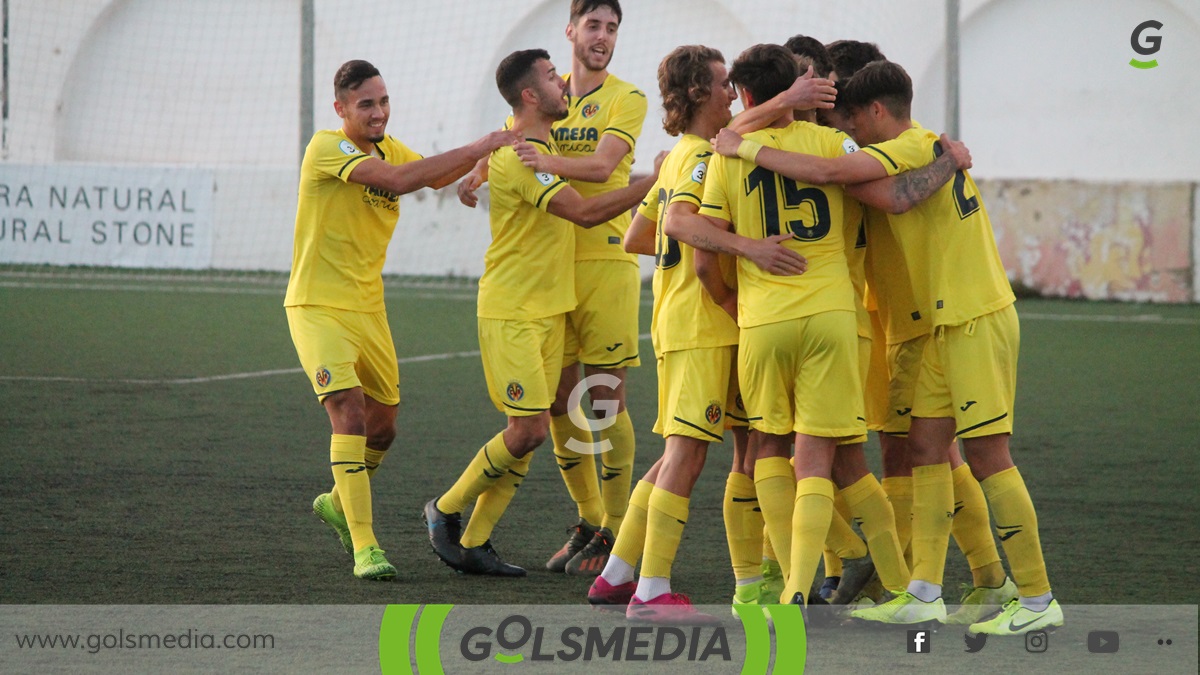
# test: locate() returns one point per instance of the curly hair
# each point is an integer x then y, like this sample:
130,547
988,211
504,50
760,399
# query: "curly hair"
685,82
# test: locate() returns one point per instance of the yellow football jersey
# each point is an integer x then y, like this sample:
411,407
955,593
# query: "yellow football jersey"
761,203
685,316
890,285
854,216
947,240
529,270
342,228
615,107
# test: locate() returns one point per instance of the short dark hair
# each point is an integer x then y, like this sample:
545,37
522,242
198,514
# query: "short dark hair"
849,56
351,76
764,71
803,45
685,82
881,81
512,75
581,7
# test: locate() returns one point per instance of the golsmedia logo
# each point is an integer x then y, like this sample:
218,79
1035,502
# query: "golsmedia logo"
1146,45
629,643
472,643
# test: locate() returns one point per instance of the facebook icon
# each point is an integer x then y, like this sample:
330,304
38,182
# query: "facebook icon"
918,642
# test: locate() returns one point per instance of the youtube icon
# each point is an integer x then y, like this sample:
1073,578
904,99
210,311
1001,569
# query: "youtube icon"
1104,642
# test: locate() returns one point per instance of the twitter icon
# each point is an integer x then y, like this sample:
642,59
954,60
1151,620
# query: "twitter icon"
974,642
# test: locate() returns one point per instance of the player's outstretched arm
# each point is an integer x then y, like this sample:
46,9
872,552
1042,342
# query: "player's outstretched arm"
855,167
569,204
639,238
471,182
684,224
806,93
708,270
427,172
902,192
594,168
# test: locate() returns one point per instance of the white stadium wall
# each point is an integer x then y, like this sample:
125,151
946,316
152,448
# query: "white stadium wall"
103,94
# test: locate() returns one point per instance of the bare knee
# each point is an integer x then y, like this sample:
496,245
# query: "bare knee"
381,438
525,434
347,412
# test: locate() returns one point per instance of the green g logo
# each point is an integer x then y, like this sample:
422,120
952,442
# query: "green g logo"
1146,47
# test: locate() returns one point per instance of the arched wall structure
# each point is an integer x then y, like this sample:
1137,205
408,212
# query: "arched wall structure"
1047,92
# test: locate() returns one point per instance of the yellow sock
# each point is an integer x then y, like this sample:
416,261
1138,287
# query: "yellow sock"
578,471
489,464
933,509
630,542
665,518
899,494
973,531
810,523
768,552
841,541
350,477
1016,525
616,470
372,458
492,504
743,526
869,504
775,483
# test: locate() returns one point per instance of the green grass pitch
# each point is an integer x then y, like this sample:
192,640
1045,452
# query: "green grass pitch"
136,473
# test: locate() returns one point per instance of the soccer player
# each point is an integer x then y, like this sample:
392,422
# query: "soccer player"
967,380
351,180
596,142
901,332
525,293
695,341
797,354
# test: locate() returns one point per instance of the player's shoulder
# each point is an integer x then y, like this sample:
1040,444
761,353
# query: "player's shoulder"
335,140
917,135
620,87
394,147
691,146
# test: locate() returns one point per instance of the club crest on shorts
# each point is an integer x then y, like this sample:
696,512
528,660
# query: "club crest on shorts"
323,377
713,412
515,391
590,110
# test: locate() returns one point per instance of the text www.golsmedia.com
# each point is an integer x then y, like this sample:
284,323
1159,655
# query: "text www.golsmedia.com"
190,639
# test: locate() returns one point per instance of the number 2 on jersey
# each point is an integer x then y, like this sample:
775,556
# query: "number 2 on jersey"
795,198
966,205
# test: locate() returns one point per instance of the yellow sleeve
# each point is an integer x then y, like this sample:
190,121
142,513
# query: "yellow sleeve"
650,204
628,116
689,184
716,199
901,154
332,155
538,187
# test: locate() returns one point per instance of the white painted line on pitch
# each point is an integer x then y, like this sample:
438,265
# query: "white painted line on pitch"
1111,318
232,376
424,294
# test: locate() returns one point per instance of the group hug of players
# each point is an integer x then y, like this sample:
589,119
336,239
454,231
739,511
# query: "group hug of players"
824,266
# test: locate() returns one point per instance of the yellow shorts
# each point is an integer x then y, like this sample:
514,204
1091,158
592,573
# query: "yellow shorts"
602,330
875,386
693,392
904,363
522,361
802,375
969,372
340,349
735,407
